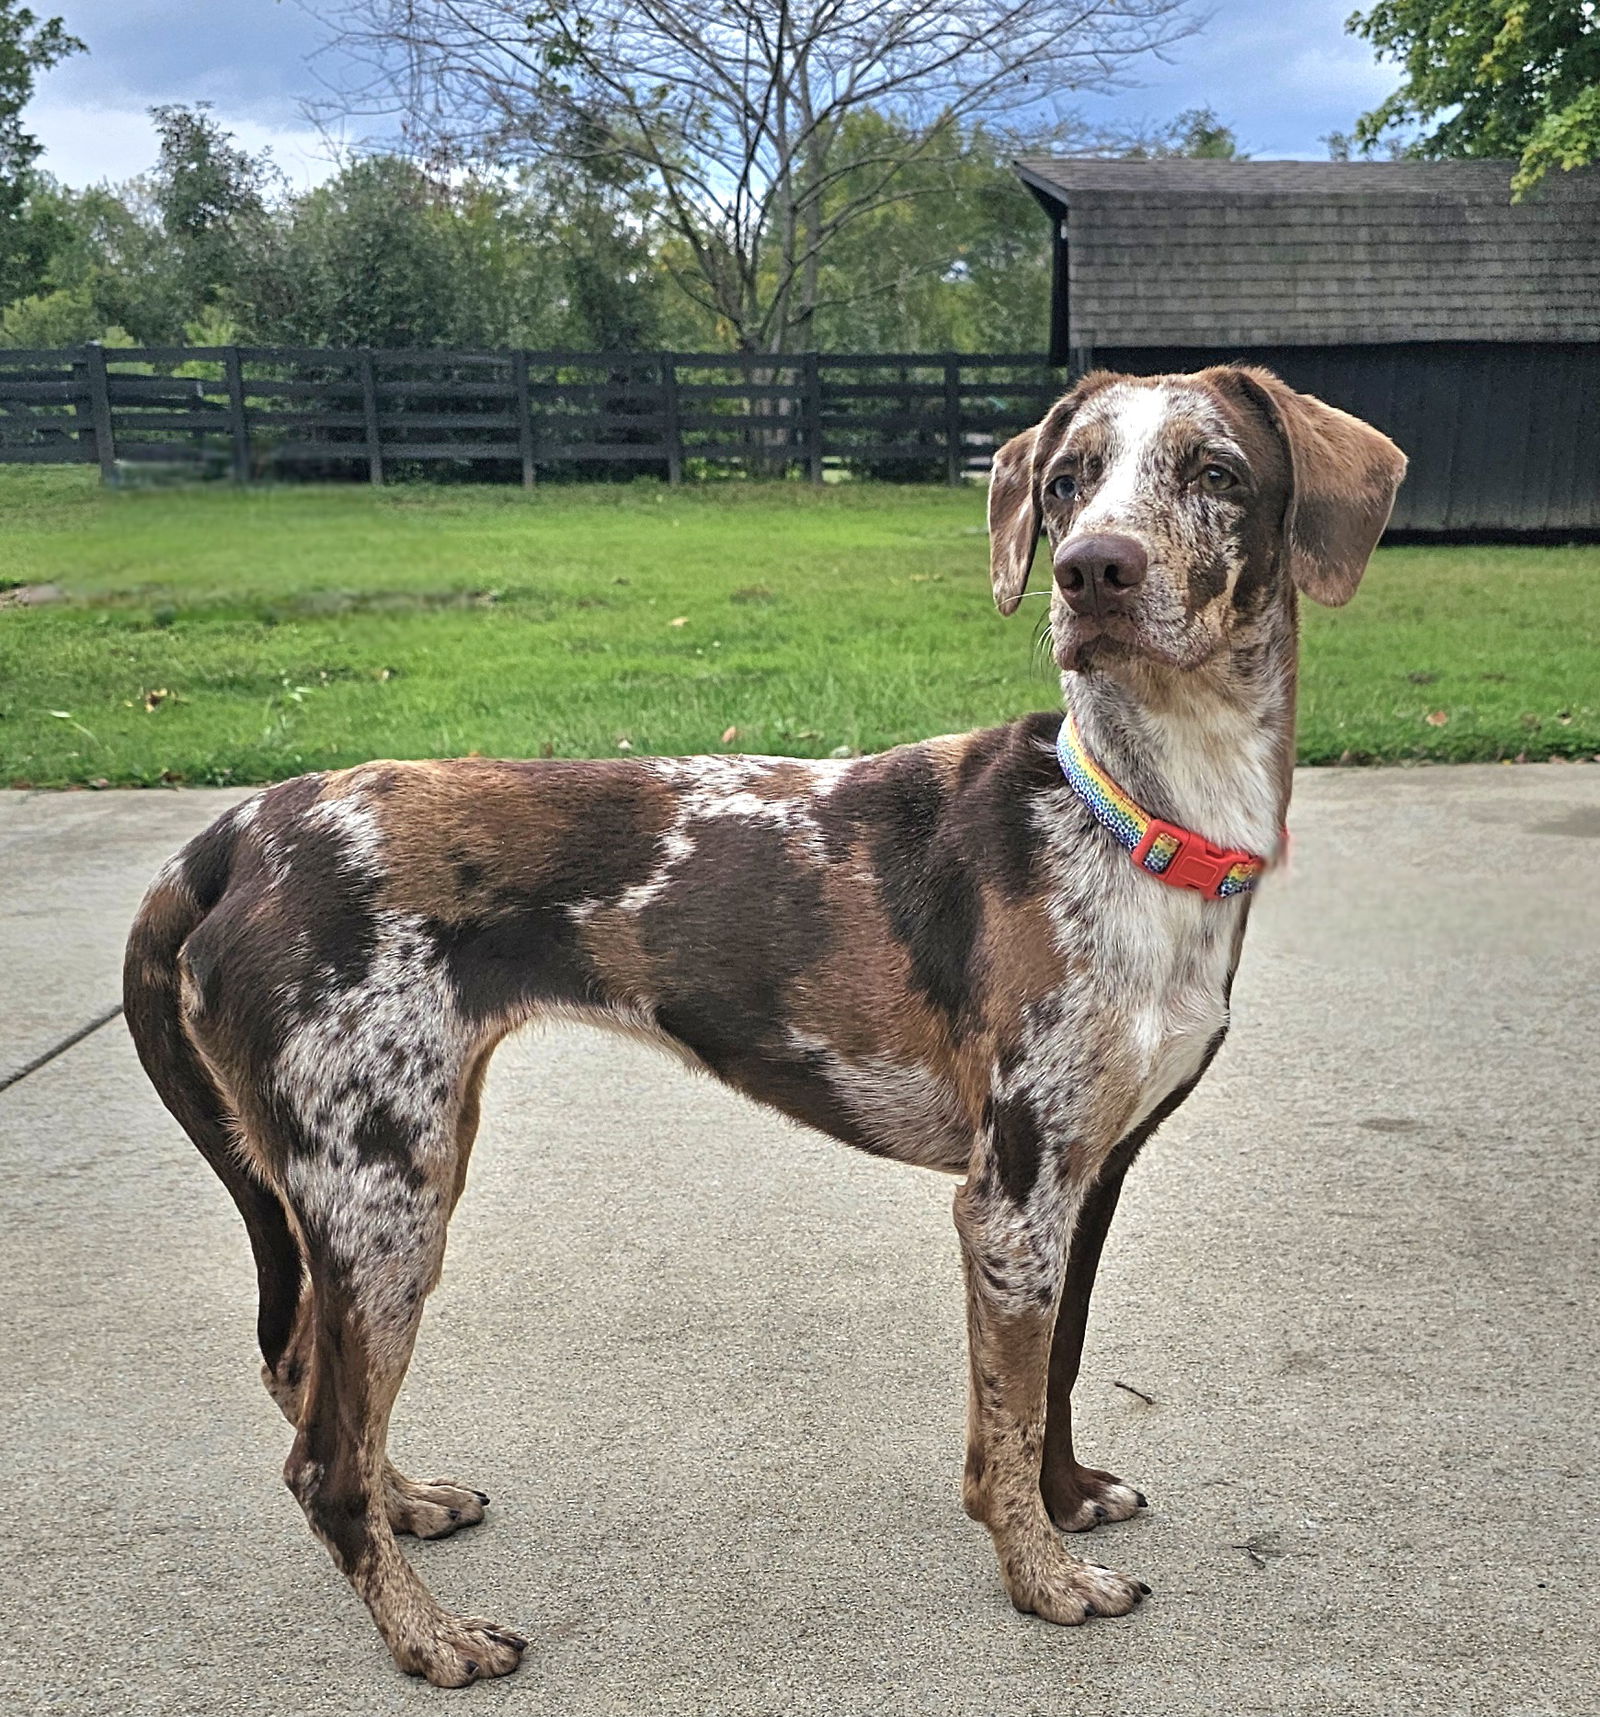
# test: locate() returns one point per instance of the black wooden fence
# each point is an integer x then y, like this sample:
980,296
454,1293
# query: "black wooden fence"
251,411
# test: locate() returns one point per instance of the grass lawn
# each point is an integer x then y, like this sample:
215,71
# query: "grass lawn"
215,635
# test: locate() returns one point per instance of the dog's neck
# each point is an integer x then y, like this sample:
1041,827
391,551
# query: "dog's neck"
1208,748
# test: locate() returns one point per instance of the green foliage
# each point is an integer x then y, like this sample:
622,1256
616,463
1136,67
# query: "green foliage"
1197,134
66,317
388,254
1503,79
205,190
297,628
28,45
950,254
957,260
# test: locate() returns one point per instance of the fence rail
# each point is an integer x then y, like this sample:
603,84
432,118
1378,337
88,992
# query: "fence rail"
251,412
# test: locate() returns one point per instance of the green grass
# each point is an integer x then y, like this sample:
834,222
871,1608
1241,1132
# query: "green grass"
215,635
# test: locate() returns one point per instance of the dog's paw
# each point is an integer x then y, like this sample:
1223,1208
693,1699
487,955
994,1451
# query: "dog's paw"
454,1651
1086,1498
1061,1589
432,1510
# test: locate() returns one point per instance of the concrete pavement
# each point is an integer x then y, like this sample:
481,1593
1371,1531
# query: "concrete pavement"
710,1366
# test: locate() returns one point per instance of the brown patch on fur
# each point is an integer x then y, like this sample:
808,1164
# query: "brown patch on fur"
1018,961
611,938
459,838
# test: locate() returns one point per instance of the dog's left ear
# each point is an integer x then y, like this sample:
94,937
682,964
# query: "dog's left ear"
1345,474
1013,518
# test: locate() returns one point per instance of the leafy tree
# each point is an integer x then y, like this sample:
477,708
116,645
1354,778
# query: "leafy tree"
28,46
958,261
1197,134
1515,79
388,254
205,190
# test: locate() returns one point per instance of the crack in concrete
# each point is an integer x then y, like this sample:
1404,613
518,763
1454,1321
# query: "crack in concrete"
60,1048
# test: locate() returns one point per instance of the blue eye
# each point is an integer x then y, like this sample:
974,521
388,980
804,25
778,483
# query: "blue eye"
1064,488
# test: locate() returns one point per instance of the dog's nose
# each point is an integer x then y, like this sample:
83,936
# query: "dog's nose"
1097,573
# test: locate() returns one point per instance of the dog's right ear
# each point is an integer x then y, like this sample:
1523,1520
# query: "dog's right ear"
1013,518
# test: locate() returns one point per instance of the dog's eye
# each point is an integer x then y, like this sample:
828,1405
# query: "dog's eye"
1064,488
1214,479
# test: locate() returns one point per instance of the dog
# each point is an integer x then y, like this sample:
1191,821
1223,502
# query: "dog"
940,954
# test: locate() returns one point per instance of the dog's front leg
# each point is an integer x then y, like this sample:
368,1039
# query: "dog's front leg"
1079,1498
1014,1249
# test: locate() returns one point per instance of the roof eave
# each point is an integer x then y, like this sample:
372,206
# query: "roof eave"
1050,197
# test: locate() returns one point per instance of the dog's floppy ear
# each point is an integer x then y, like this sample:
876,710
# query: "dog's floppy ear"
1344,477
1013,518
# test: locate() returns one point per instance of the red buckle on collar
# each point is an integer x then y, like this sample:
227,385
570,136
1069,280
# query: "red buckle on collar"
1195,863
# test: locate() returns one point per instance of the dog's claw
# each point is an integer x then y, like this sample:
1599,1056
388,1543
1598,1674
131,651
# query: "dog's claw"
1144,1588
1138,1497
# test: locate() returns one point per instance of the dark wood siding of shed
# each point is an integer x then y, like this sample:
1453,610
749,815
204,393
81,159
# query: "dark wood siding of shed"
1501,438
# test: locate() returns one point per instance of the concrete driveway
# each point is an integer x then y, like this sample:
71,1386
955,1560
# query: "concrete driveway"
710,1366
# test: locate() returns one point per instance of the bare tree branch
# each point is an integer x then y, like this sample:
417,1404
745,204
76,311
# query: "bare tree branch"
744,114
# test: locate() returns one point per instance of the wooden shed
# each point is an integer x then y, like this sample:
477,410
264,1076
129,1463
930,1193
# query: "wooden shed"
1414,294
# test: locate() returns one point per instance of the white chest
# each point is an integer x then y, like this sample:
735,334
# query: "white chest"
1165,964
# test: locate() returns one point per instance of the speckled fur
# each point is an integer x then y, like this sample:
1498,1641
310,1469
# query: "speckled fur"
934,954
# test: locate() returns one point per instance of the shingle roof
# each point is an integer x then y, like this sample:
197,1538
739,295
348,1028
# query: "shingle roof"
1292,253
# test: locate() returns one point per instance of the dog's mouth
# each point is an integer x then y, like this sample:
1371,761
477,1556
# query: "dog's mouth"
1084,642
1081,640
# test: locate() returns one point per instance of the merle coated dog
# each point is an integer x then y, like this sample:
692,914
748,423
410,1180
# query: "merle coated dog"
941,954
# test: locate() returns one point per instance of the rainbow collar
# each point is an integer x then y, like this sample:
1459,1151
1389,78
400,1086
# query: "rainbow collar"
1173,855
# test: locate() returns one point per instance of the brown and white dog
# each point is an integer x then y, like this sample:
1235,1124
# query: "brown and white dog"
937,954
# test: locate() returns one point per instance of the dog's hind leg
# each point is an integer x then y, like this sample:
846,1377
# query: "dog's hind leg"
372,1197
432,1508
1015,1232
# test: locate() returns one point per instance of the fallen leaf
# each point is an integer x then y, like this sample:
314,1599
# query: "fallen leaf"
153,700
682,620
99,781
624,744
1436,718
729,734
547,749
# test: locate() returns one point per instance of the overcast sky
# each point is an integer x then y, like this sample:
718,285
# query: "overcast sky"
1282,73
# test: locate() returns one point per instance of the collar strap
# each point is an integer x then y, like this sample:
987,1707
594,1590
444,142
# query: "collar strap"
1174,855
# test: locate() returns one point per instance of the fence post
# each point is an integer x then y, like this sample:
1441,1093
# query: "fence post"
669,410
954,452
100,410
233,369
811,406
369,406
519,371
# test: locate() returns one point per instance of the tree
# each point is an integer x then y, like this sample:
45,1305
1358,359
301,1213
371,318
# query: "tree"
1496,78
738,112
389,254
204,189
28,46
1197,134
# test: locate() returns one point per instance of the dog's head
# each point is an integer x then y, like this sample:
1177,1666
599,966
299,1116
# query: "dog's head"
1182,509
